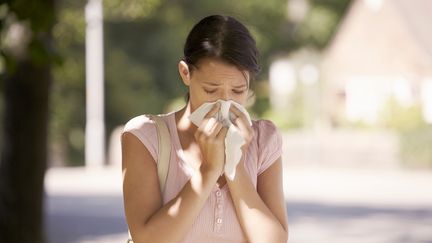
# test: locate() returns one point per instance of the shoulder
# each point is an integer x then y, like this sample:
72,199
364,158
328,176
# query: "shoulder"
142,122
142,127
264,124
145,130
269,143
265,129
267,135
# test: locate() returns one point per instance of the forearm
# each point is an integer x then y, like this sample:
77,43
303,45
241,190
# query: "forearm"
179,214
257,221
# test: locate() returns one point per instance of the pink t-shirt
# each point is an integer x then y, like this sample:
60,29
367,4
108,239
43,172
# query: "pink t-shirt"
217,221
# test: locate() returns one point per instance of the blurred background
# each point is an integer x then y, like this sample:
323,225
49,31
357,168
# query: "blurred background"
348,83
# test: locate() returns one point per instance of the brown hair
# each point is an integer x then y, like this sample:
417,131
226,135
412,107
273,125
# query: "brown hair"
225,38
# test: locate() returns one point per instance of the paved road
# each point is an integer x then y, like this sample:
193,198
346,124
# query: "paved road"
324,205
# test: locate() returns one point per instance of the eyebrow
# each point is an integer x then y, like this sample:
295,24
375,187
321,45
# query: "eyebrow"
218,84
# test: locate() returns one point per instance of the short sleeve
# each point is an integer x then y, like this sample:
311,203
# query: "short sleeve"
269,145
145,130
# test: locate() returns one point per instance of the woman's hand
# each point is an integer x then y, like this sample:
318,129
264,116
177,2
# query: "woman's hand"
210,137
242,123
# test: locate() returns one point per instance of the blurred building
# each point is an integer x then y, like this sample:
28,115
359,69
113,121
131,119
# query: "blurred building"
383,49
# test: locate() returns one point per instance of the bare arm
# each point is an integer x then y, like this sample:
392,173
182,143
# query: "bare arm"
147,218
261,212
148,221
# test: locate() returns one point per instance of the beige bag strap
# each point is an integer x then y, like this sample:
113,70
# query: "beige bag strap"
164,150
164,153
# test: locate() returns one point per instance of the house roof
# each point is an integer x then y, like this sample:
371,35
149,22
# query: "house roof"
394,39
418,16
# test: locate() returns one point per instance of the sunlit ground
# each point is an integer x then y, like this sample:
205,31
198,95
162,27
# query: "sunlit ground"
367,204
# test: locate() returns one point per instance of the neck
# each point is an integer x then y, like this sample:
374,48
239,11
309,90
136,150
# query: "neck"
183,122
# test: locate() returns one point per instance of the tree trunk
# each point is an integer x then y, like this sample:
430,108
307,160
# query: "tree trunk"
24,153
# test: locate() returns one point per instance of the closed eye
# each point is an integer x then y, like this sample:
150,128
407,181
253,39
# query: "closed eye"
209,91
239,91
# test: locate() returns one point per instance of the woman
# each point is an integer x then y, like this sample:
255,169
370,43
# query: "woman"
199,203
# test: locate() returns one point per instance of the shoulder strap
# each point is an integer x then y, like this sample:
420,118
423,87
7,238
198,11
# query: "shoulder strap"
164,149
164,154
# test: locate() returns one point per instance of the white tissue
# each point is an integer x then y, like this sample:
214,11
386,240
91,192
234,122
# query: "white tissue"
233,140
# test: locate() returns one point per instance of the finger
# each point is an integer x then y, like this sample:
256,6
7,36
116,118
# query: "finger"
212,111
241,124
207,117
206,126
241,117
216,128
209,125
235,110
222,133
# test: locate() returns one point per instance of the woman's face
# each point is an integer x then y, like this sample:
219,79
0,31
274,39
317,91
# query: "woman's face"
213,79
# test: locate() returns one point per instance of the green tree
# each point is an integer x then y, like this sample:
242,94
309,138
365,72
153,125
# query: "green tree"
143,43
27,52
67,117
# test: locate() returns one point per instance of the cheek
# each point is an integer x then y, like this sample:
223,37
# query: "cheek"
241,101
197,98
242,98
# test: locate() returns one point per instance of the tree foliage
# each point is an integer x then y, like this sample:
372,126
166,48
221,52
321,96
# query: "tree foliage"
27,54
143,44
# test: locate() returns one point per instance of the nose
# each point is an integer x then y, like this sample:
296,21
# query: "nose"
225,95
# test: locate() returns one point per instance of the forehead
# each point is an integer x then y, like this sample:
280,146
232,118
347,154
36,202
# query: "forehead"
214,70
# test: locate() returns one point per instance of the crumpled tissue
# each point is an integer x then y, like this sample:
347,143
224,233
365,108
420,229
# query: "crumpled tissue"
234,139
